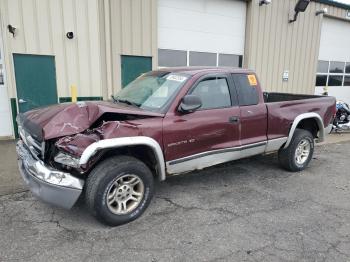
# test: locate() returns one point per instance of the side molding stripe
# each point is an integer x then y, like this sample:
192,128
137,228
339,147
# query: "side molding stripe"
225,150
126,141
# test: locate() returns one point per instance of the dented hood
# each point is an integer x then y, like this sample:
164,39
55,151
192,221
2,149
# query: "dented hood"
72,118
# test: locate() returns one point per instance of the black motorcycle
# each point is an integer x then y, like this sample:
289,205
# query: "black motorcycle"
341,121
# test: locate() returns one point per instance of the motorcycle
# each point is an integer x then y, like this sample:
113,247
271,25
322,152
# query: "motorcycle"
341,121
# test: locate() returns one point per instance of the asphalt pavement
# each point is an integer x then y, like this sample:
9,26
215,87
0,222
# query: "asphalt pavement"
247,210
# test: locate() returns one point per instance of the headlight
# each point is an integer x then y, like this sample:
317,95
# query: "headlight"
67,160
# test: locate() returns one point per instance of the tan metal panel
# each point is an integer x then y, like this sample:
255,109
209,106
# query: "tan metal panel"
15,18
133,26
72,54
83,41
315,45
308,52
27,12
42,27
97,83
136,26
57,32
126,25
298,66
116,40
279,40
273,26
8,44
43,20
104,42
154,33
274,45
248,31
146,23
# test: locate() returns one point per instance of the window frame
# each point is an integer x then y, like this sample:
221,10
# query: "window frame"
233,99
328,73
172,50
322,74
236,84
240,57
196,53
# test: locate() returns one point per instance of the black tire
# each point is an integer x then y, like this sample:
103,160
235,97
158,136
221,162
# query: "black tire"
104,175
287,156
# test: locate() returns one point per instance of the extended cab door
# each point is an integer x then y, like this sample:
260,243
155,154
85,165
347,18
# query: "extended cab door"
196,140
253,111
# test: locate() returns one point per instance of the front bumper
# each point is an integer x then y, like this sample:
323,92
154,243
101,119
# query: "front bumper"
50,185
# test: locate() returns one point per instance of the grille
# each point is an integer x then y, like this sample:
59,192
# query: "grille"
34,146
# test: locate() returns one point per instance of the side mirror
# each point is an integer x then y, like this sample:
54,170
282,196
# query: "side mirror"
190,103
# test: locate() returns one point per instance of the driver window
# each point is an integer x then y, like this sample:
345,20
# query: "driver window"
214,93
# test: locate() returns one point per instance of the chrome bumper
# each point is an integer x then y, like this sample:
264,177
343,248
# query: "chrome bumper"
48,184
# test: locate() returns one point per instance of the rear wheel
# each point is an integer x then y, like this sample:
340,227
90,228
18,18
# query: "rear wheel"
119,190
299,153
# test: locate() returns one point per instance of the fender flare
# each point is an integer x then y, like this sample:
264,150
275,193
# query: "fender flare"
123,142
304,116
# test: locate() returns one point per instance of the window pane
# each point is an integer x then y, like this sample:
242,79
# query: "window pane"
321,80
336,67
347,81
214,93
322,66
170,58
347,68
335,80
202,59
229,60
247,93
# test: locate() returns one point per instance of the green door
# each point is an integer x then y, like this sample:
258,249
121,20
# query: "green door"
133,66
35,81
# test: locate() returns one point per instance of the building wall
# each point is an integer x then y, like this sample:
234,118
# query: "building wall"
41,29
131,29
273,45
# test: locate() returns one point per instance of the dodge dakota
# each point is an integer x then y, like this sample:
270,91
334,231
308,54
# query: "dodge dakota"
166,122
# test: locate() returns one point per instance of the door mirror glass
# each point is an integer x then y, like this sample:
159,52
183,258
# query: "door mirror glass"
190,103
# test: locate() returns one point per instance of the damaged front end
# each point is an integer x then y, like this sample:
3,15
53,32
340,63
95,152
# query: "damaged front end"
70,148
49,184
53,140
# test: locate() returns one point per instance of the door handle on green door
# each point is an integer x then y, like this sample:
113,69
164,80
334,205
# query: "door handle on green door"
21,101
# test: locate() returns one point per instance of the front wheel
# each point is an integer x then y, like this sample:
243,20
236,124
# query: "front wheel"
119,190
299,153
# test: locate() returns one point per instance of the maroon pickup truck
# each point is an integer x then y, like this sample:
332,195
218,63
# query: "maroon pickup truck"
166,122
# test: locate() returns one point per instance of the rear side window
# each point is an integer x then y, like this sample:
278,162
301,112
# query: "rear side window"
214,93
246,89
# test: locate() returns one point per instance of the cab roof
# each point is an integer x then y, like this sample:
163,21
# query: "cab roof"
193,70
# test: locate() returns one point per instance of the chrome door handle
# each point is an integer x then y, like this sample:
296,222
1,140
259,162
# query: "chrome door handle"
21,101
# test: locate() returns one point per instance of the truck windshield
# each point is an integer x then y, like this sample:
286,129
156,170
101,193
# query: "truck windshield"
151,92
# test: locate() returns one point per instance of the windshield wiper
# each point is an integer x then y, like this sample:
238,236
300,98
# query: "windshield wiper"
125,101
114,99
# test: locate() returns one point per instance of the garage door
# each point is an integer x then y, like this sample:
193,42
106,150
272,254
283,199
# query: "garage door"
334,59
201,32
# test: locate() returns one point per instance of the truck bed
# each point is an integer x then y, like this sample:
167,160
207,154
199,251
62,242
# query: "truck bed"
280,97
283,108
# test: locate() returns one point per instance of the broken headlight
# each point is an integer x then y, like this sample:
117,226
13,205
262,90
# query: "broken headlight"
67,160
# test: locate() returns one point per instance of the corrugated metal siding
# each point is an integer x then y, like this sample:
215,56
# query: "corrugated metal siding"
133,28
42,27
274,45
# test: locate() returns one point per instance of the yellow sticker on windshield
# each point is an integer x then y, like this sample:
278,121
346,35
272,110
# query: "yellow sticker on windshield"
252,80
